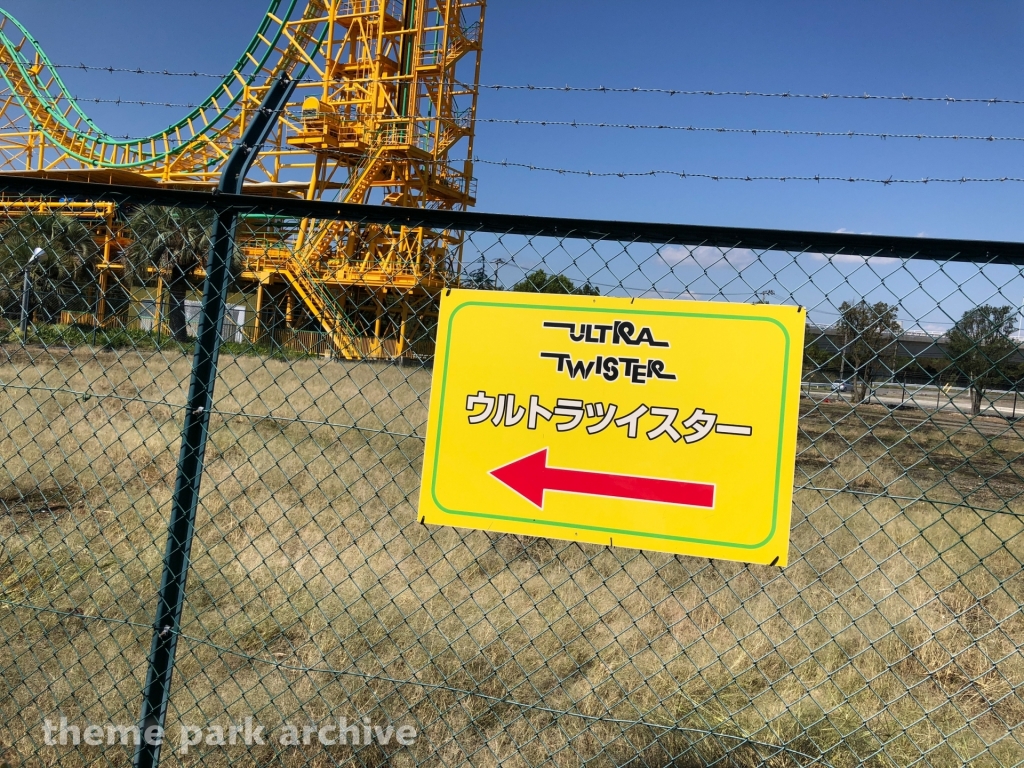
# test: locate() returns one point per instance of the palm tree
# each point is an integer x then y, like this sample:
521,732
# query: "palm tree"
68,247
170,242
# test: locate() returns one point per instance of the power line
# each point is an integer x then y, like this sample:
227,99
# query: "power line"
727,177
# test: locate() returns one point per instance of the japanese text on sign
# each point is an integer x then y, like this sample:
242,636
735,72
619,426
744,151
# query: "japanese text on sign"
629,423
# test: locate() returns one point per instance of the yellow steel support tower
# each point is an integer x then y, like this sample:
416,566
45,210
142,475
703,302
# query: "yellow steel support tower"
384,113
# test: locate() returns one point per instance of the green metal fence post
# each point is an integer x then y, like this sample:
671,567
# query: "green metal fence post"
195,432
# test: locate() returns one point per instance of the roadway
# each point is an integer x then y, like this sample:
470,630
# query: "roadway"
997,403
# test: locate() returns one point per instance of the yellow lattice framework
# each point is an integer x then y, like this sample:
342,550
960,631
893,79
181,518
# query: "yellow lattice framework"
384,113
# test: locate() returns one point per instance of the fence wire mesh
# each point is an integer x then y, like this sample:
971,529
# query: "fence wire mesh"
319,612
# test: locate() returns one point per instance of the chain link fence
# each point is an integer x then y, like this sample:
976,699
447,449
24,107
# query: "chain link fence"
322,624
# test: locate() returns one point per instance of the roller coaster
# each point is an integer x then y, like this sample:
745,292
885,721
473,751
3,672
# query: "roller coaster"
384,112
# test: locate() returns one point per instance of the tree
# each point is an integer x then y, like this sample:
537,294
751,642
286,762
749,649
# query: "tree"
541,282
816,358
869,333
171,242
57,278
980,346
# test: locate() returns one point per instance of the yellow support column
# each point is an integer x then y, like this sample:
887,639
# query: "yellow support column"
101,304
158,309
377,343
401,347
257,326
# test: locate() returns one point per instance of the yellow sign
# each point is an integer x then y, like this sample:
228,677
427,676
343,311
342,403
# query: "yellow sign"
662,425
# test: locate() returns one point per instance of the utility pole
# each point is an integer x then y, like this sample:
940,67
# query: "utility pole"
1020,328
842,356
26,292
498,264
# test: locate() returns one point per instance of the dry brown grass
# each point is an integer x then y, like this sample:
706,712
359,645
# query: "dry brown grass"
893,639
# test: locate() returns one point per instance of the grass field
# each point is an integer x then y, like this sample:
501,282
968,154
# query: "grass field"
894,638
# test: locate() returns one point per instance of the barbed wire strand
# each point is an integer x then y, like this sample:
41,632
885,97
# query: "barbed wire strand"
727,177
142,103
757,94
825,96
137,71
752,131
15,124
619,126
710,176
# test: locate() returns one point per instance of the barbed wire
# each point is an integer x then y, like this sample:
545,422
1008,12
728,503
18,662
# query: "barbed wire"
728,177
302,669
824,96
142,103
752,131
621,126
758,94
137,71
16,124
692,175
196,74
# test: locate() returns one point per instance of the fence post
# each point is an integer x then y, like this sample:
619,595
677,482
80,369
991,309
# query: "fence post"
194,433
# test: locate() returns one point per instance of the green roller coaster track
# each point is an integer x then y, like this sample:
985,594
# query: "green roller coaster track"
212,116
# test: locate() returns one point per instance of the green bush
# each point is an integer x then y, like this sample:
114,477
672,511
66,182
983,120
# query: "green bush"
261,349
125,338
108,338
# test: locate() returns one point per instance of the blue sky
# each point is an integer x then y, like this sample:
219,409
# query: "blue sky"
934,48
919,48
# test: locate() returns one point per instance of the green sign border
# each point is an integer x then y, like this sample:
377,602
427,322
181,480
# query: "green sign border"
601,529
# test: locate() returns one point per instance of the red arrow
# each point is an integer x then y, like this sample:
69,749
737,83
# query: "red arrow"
530,476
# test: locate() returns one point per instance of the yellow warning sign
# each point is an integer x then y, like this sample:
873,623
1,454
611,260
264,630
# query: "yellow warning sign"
661,425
